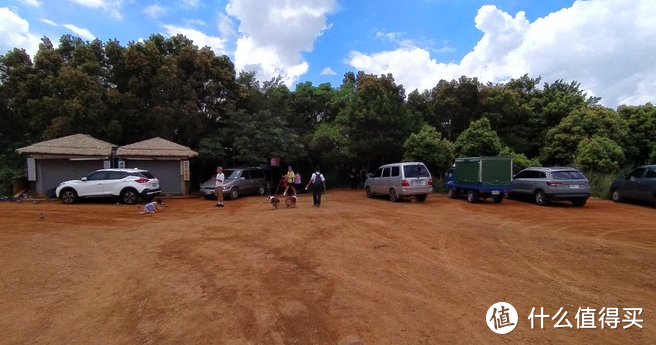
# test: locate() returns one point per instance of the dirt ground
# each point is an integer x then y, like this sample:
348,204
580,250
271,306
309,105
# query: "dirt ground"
354,271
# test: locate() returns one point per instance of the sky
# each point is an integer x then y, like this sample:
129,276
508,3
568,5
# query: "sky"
608,46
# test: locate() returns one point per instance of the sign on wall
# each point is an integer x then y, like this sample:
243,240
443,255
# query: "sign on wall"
185,170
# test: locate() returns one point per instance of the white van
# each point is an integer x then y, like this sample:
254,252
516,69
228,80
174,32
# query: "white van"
399,180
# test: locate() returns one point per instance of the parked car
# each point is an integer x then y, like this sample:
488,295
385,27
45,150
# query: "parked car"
238,181
400,180
640,184
126,184
552,184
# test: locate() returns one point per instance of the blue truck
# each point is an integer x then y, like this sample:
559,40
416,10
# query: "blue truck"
480,178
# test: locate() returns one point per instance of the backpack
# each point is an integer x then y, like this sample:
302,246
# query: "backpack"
317,182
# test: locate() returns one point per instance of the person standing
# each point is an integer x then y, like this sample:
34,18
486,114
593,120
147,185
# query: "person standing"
289,178
353,178
363,176
318,183
218,186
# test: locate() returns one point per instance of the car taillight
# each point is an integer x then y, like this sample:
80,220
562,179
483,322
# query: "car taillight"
430,181
554,183
404,183
141,180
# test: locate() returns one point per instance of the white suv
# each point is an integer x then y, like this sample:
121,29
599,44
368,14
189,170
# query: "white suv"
126,184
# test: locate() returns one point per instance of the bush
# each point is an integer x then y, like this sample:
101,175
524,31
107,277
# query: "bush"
600,184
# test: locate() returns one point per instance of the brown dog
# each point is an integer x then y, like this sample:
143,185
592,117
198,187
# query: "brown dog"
274,201
290,201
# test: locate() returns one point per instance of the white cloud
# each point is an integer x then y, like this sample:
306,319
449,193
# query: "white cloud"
33,3
200,39
275,33
328,71
15,33
81,32
605,45
111,6
190,3
155,11
226,26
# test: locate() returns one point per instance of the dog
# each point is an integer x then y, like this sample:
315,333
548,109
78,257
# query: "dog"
290,201
274,201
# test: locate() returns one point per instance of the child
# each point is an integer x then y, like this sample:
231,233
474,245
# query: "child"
150,207
289,179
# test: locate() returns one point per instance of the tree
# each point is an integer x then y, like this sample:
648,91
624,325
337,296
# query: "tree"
641,122
377,121
599,154
429,147
478,140
520,161
562,140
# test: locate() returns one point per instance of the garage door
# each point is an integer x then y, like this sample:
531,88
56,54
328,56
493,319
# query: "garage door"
52,172
167,172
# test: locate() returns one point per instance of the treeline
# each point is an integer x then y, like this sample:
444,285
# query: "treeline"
168,87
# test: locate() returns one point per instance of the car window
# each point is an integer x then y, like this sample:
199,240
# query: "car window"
256,173
637,173
523,174
651,173
116,175
415,170
568,175
542,174
395,171
97,175
246,174
146,174
379,172
386,172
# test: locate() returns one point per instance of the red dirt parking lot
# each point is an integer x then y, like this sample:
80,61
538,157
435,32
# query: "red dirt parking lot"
354,271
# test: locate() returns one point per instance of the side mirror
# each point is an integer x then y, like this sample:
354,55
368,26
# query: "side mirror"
84,178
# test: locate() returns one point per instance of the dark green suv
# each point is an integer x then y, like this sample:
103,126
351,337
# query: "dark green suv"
640,184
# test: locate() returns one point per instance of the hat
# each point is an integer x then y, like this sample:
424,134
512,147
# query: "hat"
219,168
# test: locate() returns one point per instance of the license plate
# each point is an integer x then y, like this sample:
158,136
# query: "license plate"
495,192
418,183
574,186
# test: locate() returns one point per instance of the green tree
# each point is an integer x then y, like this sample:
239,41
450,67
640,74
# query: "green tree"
478,140
640,138
377,120
562,140
520,161
599,155
429,147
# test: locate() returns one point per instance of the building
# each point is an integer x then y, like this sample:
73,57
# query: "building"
168,161
53,161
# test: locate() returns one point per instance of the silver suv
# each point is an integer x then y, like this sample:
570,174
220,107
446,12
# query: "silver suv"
126,184
399,180
551,184
238,181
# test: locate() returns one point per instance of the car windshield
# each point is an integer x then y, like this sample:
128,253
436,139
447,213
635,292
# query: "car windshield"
415,170
231,173
568,175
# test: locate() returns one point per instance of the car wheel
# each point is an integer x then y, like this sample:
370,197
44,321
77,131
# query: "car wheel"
367,190
68,196
540,198
234,193
616,195
393,196
422,197
262,190
578,203
129,196
472,196
498,199
452,193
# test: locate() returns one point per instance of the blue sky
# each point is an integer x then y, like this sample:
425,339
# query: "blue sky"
607,45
